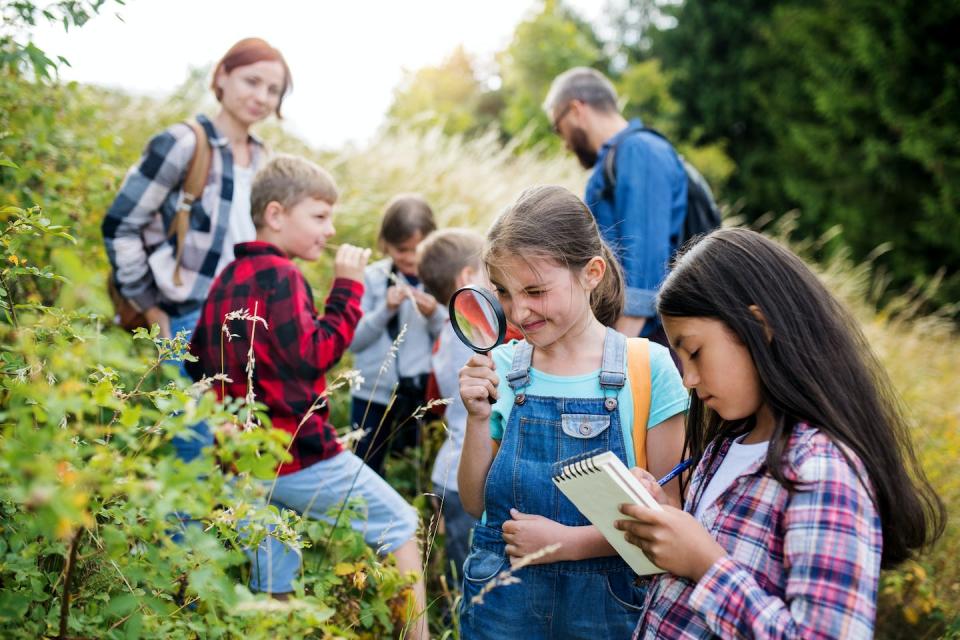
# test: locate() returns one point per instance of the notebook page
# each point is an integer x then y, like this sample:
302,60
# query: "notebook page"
598,486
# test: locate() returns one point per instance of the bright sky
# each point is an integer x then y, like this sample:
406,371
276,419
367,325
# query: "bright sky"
345,57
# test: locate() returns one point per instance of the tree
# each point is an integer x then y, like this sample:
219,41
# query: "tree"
451,95
543,46
847,111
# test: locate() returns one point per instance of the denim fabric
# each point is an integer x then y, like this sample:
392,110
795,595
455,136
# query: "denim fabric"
580,599
189,445
317,493
643,218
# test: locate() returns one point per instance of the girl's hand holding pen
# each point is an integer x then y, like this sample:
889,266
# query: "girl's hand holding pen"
673,539
649,482
478,383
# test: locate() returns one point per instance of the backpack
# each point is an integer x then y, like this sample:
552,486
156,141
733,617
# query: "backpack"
703,214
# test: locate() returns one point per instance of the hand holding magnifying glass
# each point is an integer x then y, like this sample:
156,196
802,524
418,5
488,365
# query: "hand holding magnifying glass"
478,320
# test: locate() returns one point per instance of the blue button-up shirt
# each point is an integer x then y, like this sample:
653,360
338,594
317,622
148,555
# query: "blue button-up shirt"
642,219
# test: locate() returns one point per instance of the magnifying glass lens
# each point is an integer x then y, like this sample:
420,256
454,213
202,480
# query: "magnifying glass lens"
477,318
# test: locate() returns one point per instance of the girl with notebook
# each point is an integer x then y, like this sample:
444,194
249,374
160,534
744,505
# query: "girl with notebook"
807,484
562,391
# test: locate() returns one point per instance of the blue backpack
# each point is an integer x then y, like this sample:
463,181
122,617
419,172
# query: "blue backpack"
703,214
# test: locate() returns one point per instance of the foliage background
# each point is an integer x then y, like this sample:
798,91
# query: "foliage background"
857,133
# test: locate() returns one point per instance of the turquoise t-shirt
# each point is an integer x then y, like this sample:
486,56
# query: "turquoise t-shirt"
667,395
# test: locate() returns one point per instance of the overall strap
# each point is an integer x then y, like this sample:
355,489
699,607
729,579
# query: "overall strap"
611,369
638,366
519,376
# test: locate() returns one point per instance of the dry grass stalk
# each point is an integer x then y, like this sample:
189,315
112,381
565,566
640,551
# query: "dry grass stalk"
506,576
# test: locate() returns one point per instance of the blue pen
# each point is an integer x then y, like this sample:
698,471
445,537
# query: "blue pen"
677,470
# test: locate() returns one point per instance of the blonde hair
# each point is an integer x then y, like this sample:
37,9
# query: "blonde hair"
550,222
443,255
287,180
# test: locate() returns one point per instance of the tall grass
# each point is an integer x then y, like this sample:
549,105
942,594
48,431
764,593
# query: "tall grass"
468,181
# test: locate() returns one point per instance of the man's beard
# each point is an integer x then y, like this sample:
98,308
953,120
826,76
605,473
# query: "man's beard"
581,147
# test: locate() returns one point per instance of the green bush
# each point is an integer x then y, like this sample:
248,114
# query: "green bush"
87,480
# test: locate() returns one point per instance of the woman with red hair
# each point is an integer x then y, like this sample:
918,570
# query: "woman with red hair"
164,265
166,274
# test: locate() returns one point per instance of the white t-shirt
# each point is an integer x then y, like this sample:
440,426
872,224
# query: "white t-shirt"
241,227
739,457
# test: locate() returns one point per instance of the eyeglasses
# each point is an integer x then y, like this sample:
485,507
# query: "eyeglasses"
561,116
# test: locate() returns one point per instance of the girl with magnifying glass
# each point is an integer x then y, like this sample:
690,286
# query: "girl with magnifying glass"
560,392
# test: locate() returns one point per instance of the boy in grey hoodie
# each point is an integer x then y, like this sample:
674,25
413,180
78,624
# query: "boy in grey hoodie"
395,310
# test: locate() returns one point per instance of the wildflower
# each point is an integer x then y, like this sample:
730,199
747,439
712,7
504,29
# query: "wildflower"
205,383
350,439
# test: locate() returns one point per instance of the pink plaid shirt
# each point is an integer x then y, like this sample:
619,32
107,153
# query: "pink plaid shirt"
801,565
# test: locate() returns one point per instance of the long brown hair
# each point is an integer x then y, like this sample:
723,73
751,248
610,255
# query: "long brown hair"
818,368
249,51
550,222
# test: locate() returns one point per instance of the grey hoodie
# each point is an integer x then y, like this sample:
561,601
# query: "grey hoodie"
371,342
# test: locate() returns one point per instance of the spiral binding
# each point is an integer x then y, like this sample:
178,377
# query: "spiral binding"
576,466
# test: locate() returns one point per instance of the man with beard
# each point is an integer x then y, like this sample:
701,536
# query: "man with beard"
641,212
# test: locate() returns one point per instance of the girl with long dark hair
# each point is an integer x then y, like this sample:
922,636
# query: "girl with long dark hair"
806,483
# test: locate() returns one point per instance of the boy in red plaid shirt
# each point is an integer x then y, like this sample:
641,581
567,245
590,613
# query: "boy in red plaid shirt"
292,207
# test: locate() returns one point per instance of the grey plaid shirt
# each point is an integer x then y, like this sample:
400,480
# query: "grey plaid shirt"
136,225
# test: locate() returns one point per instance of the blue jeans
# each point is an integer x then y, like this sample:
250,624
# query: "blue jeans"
189,445
577,599
317,492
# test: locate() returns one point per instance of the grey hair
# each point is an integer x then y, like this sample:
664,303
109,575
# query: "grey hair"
584,84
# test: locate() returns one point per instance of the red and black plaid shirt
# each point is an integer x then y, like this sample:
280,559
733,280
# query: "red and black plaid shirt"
293,352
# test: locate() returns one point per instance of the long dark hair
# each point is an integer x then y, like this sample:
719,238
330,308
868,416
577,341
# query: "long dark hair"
550,222
818,368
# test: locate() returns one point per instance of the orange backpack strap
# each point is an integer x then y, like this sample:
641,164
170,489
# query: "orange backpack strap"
638,371
193,184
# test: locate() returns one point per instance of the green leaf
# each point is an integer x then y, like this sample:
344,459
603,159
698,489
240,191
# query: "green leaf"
7,163
121,605
13,605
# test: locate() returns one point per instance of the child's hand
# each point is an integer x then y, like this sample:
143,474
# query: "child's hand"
673,539
478,383
395,296
350,262
649,482
526,534
426,303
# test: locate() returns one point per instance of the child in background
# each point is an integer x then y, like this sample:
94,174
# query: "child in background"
807,484
292,207
450,259
563,391
393,299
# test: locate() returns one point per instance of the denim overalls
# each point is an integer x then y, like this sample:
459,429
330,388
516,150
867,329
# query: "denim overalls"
593,598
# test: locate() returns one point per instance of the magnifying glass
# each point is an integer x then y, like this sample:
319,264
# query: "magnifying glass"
477,318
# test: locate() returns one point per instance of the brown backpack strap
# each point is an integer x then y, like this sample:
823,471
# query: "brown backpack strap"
193,184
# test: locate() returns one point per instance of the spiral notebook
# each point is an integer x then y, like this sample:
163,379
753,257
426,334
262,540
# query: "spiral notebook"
598,484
